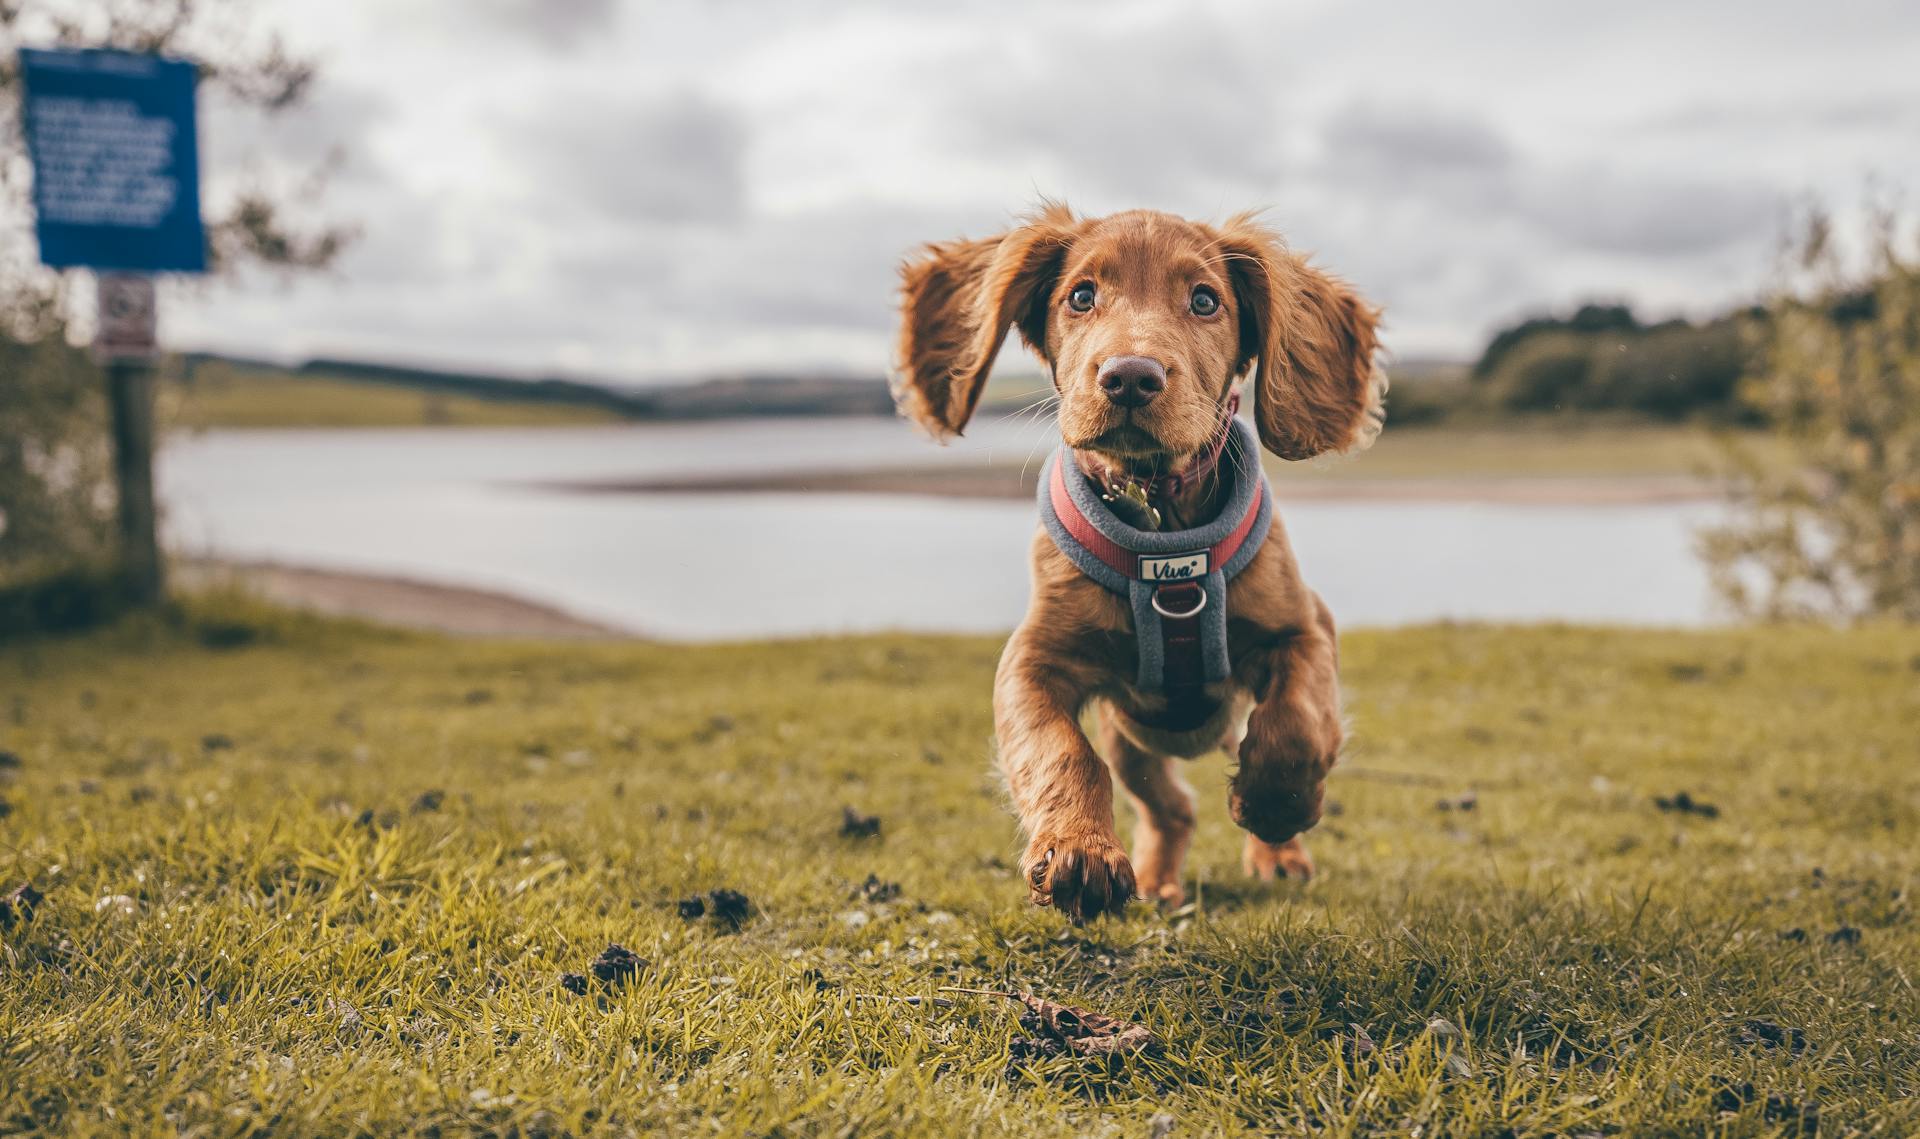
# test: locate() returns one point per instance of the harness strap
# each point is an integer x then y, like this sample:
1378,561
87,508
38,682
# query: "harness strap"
1183,662
1175,581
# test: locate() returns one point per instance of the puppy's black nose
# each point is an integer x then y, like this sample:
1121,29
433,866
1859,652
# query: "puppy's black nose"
1132,381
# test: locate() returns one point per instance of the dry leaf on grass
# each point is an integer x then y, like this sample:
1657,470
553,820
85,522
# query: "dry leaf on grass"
1075,1030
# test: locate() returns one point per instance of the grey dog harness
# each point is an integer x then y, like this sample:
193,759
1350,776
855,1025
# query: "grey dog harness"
1175,580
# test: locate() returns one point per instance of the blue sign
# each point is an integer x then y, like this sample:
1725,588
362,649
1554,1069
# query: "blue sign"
116,166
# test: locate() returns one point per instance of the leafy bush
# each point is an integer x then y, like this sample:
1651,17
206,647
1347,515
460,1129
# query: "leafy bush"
54,509
61,601
1835,530
1547,370
1672,369
1588,318
1602,358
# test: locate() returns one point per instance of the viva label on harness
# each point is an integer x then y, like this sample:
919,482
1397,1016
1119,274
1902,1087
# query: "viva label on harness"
1176,567
1138,564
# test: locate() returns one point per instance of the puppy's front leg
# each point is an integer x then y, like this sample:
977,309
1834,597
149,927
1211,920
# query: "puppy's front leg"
1059,785
1293,738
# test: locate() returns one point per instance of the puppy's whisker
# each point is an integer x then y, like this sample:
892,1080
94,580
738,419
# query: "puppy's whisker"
1022,417
1040,422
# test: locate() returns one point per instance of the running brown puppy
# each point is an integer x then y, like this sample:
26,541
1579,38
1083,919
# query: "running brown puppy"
1164,591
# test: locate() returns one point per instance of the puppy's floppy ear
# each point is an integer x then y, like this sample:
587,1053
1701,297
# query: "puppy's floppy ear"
1317,387
957,300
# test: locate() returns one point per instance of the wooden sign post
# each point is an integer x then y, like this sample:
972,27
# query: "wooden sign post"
126,342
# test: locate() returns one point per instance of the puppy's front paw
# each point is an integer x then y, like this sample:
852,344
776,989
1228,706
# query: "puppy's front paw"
1082,876
1267,861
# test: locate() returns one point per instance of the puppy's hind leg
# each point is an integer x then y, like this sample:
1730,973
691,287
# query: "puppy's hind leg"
1162,808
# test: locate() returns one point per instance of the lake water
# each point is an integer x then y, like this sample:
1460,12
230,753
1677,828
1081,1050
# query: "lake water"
457,506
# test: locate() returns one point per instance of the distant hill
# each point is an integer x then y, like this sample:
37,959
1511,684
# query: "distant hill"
719,398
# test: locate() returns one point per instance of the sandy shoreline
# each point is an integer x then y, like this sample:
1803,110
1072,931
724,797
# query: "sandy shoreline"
387,600
1014,483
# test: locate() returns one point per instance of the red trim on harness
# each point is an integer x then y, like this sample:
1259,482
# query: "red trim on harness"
1083,530
1117,557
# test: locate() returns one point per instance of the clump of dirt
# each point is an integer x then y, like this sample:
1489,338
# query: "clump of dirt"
1729,1098
853,824
876,891
1767,1034
1845,935
1685,804
381,821
729,908
17,907
615,966
429,801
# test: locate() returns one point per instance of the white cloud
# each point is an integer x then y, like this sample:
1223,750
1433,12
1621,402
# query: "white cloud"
641,190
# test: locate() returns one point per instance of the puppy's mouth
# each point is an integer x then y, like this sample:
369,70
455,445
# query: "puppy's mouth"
1127,440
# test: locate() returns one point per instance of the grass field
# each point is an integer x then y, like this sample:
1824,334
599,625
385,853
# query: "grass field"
1521,448
317,878
224,396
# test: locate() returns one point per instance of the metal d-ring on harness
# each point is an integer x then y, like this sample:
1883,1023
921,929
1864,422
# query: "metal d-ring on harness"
1174,580
1199,603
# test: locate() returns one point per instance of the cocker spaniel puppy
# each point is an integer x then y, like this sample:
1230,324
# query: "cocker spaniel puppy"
1164,590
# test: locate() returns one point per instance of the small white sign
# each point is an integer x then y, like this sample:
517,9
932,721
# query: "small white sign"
128,318
1174,567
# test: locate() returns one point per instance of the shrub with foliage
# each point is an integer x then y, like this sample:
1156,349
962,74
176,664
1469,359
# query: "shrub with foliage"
1602,358
53,440
1833,531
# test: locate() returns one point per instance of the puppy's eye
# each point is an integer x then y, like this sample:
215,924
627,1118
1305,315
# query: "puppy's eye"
1081,298
1205,301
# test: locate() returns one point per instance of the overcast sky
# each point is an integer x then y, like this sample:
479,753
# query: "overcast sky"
662,190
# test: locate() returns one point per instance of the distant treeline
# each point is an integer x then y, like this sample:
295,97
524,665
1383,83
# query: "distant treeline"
709,399
1604,358
1601,358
